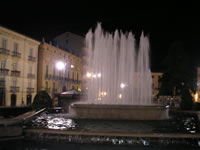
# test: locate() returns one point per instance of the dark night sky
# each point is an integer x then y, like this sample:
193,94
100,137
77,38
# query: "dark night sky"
164,21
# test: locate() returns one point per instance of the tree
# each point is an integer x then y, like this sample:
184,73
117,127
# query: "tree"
186,100
179,74
42,100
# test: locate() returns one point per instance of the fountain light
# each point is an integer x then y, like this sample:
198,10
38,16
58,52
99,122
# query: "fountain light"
94,76
103,93
60,65
120,96
122,85
99,75
196,97
88,75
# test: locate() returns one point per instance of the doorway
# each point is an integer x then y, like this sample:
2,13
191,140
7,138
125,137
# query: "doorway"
13,99
28,99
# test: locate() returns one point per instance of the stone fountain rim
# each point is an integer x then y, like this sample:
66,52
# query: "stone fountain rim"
122,106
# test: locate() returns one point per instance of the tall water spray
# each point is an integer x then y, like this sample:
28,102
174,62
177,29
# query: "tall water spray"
118,72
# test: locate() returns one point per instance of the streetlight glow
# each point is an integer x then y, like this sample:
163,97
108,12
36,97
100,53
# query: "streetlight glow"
60,65
120,96
122,85
88,74
72,66
99,75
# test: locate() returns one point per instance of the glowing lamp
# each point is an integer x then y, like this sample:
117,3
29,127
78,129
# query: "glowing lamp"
60,65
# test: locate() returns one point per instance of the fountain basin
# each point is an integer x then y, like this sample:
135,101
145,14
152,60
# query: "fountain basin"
118,112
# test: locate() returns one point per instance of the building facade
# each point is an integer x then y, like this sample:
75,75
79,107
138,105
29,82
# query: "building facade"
70,42
58,70
155,82
197,95
18,68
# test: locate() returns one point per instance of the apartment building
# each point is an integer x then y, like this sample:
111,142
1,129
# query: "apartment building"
155,82
18,68
58,70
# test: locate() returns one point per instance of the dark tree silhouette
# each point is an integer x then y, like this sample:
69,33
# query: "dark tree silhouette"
42,100
179,74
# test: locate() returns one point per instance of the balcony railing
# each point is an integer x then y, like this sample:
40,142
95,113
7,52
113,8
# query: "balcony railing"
66,79
30,90
14,89
4,71
16,54
31,58
47,90
48,76
15,73
30,75
2,84
4,51
54,90
54,77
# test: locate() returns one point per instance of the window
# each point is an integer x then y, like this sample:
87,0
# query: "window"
3,64
14,83
2,82
54,85
60,73
30,69
14,65
29,84
77,76
47,70
4,44
15,48
46,85
66,71
54,72
73,75
31,52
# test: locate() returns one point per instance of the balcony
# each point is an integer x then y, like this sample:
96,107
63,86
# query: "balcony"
54,77
47,90
66,79
15,73
4,51
16,54
54,90
14,89
31,58
2,84
30,75
30,90
48,76
4,71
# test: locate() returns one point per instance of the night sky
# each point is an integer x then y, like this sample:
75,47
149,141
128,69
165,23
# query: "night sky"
164,22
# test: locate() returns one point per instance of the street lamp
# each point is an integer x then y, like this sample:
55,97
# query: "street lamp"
60,65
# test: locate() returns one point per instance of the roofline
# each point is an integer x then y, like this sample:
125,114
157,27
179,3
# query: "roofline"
19,34
45,43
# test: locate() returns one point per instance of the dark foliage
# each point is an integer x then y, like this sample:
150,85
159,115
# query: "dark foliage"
179,72
42,100
186,100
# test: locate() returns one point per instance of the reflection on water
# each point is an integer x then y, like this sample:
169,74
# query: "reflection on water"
53,121
179,124
183,123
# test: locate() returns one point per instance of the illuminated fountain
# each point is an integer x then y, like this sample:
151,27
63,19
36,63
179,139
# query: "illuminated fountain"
119,79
